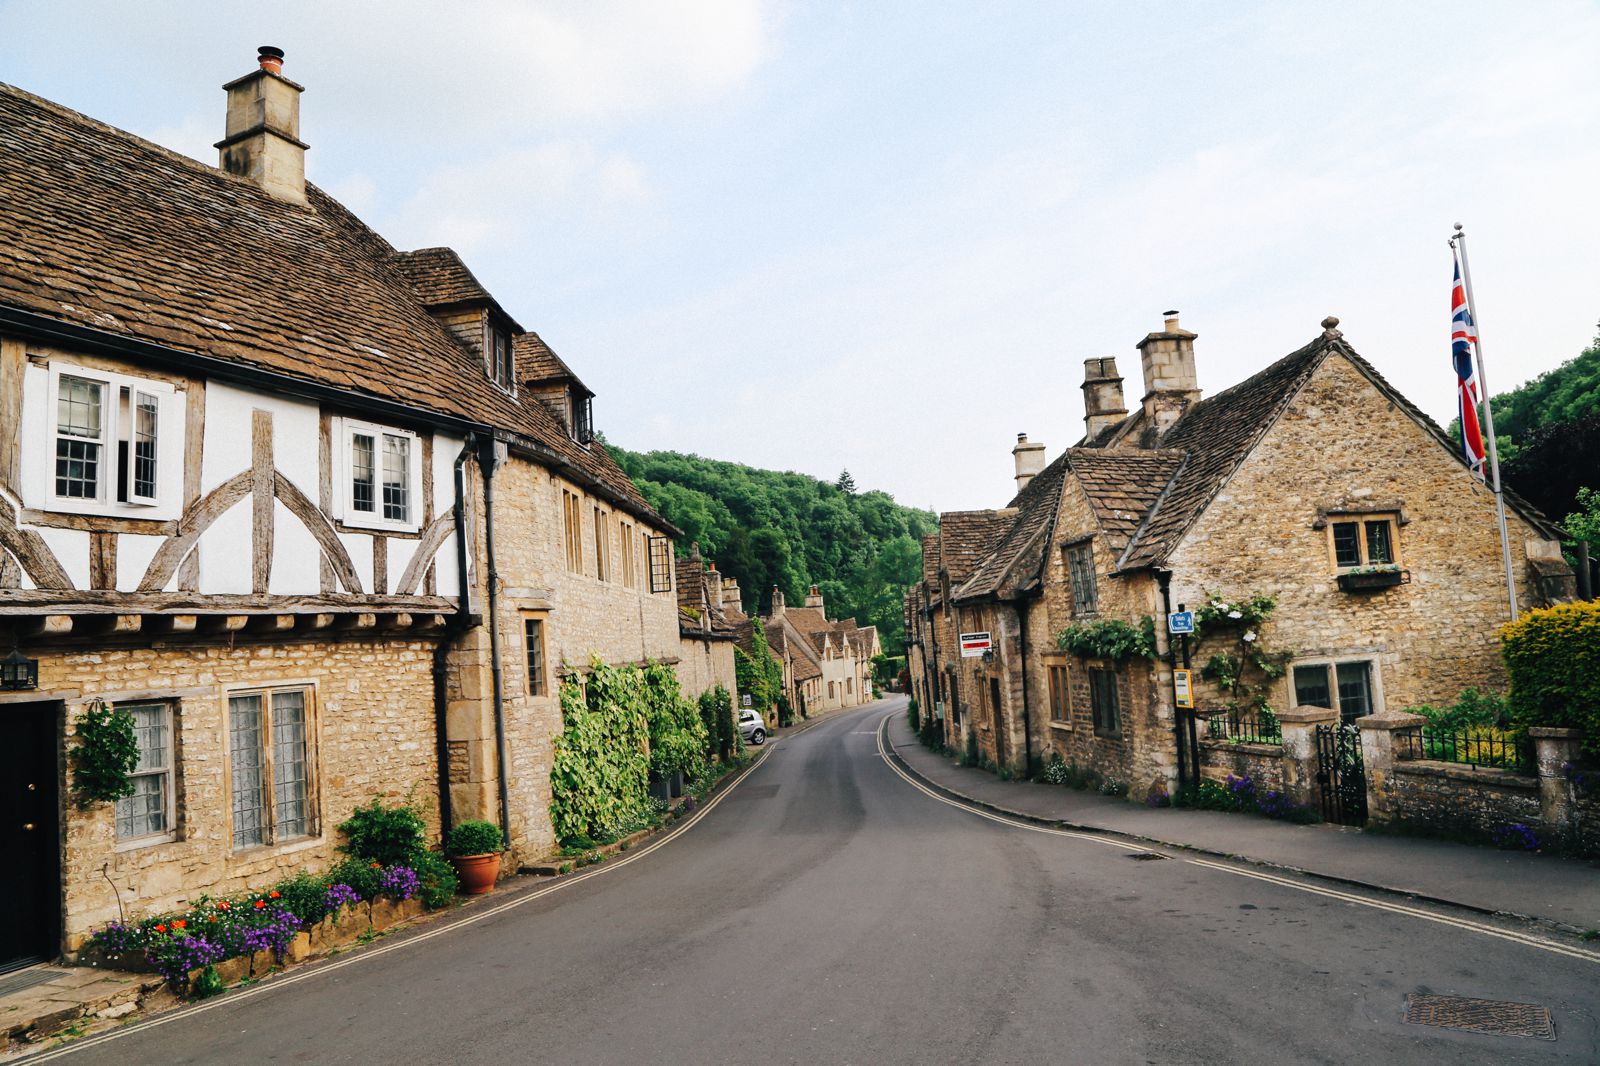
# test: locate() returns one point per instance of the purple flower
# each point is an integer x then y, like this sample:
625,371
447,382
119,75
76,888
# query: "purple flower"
341,895
399,882
1516,835
176,957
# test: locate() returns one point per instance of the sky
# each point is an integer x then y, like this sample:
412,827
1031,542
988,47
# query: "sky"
884,237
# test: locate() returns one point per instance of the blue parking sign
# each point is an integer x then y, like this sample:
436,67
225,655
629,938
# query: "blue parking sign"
1180,622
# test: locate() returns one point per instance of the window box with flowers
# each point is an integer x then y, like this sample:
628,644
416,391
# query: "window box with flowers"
1373,578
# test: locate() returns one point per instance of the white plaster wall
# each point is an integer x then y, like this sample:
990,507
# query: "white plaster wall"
296,433
225,551
296,556
71,548
134,552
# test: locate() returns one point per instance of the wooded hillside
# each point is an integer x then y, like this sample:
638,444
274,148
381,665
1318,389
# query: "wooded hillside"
769,527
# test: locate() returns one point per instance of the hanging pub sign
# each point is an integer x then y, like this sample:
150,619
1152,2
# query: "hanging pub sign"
1183,688
973,645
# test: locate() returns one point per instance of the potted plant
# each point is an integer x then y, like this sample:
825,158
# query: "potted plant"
474,848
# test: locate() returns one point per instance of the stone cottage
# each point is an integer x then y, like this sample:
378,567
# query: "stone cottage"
1314,487
319,513
831,660
708,609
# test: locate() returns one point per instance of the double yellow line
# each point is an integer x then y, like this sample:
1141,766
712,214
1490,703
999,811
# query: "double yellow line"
1470,926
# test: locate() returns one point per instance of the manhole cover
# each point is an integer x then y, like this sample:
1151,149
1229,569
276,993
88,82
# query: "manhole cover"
1145,856
1480,1015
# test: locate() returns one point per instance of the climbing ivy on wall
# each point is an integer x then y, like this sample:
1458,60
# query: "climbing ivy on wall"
1110,638
601,768
677,734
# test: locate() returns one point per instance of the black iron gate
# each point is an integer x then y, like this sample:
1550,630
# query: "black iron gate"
1341,774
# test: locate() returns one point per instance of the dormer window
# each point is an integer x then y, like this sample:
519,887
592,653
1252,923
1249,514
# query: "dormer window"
582,419
502,363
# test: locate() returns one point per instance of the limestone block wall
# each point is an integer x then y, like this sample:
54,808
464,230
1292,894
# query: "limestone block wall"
372,731
1341,444
705,664
1456,798
1263,764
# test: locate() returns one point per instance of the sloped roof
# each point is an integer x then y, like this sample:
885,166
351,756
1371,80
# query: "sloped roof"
440,278
538,364
1123,485
694,600
147,245
1016,558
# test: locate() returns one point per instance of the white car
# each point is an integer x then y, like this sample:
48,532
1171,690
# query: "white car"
752,728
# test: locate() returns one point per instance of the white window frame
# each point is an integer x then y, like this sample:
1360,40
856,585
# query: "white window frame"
39,471
169,771
344,465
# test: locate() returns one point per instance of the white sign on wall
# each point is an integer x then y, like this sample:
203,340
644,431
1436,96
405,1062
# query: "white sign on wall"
973,645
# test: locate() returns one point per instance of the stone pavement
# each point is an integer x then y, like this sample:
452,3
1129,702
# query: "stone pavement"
1551,889
67,997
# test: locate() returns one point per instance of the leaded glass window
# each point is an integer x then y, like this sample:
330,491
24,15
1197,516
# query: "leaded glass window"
396,478
148,811
270,761
80,437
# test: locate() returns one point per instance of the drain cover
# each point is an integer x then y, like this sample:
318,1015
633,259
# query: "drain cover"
1480,1015
1145,856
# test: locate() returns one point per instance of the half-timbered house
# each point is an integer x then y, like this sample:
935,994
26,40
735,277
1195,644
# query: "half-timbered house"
320,514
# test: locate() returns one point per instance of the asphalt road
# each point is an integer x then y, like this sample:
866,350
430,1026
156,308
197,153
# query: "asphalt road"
828,912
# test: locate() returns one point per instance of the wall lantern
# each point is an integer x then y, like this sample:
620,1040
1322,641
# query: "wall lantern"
18,672
988,655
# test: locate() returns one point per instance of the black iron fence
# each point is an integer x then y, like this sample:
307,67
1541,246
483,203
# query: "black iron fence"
1485,747
1245,726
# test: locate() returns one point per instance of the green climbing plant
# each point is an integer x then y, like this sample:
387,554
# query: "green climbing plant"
1244,670
1110,638
677,734
104,758
600,772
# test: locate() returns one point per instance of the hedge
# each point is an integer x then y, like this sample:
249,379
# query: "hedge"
1553,658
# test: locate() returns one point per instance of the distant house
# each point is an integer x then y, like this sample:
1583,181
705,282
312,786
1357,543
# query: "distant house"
708,613
1313,484
317,512
831,661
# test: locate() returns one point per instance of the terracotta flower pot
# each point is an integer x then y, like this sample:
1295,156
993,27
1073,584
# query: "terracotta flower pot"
478,873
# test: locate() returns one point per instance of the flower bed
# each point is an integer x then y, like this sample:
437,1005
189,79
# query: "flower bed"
258,929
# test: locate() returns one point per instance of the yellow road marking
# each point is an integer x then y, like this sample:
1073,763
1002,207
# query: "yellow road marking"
1347,897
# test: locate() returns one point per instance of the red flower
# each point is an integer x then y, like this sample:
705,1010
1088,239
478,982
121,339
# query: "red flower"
161,928
260,903
223,905
377,866
179,923
275,894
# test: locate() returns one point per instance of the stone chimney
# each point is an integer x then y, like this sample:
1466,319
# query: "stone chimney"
1170,384
777,603
732,595
1102,396
814,599
1029,457
263,132
713,586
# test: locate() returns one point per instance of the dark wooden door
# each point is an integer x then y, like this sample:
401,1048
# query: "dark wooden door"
30,837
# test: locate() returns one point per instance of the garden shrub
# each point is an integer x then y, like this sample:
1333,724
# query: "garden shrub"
677,741
911,714
474,838
1473,709
1109,638
377,836
1553,657
708,719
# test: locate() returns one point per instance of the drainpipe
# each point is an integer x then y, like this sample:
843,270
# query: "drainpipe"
1027,727
1164,580
488,460
441,651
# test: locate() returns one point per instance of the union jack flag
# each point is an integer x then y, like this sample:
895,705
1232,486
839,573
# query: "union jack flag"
1463,337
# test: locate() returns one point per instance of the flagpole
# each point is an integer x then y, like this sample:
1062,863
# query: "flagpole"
1459,241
